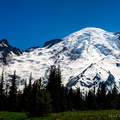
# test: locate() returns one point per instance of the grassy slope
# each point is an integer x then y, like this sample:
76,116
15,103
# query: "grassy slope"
75,115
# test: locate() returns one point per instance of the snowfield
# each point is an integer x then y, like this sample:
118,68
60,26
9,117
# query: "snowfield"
87,58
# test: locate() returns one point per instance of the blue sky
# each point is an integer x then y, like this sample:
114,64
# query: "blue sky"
27,23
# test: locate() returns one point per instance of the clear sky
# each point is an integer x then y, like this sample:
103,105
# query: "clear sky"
27,23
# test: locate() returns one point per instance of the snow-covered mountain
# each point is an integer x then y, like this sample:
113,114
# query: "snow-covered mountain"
86,57
6,51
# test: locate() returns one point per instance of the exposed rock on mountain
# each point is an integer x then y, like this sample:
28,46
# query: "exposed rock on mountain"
7,51
50,43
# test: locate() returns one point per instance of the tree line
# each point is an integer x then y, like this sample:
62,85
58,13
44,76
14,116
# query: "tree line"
37,100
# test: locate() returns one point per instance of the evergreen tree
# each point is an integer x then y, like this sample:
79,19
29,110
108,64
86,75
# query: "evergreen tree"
19,101
40,103
56,89
13,94
30,82
89,99
94,103
118,104
101,96
62,100
1,84
51,87
2,95
60,91
98,97
25,98
71,99
114,97
78,100
68,99
109,100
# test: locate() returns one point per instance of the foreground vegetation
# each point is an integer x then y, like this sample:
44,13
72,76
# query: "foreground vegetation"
74,115
37,100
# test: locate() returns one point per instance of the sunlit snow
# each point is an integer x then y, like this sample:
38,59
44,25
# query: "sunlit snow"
86,57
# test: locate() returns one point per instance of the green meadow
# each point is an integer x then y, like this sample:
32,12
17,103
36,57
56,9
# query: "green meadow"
74,115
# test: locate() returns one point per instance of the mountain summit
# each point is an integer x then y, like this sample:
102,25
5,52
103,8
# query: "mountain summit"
7,51
91,42
87,58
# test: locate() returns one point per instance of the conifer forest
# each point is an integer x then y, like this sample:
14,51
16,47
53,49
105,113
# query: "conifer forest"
37,100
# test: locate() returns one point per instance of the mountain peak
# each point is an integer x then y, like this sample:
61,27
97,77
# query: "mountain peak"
4,41
93,28
7,51
90,42
91,31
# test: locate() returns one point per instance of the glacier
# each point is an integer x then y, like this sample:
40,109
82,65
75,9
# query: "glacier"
86,58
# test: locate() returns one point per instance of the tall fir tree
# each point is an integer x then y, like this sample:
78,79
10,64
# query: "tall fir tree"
103,96
60,90
26,97
2,94
13,94
78,100
114,97
71,95
30,82
1,84
109,100
91,99
40,103
68,99
56,89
